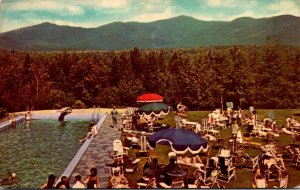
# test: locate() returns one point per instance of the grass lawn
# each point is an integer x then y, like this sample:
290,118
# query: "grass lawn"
244,176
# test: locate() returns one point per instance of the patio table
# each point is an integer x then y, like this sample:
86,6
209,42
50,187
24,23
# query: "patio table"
177,173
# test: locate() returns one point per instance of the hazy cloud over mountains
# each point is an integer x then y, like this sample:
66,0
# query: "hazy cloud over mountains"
93,13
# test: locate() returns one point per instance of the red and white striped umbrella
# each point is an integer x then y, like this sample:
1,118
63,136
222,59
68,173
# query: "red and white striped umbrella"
151,97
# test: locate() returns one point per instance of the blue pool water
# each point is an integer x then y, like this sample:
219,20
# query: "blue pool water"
36,150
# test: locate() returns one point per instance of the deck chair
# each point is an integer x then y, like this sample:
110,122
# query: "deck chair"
220,124
283,181
227,170
261,183
296,138
205,126
254,162
245,160
269,148
224,153
272,148
198,175
116,169
294,155
288,122
118,147
127,125
211,181
130,165
210,171
211,129
130,110
118,158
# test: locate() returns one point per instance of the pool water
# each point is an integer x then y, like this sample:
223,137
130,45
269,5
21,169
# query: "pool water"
36,150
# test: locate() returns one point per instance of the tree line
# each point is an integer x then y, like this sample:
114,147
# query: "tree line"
262,76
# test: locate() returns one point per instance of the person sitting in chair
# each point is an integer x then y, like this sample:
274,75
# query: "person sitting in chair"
294,123
189,161
181,107
170,167
118,180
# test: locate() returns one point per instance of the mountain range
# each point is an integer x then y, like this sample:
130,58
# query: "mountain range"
177,32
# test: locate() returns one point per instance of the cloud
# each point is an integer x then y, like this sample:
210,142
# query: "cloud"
148,17
104,4
222,3
147,11
116,4
33,5
55,6
93,13
214,3
155,5
75,10
284,7
287,4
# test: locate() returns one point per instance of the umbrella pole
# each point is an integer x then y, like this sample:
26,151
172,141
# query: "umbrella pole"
221,103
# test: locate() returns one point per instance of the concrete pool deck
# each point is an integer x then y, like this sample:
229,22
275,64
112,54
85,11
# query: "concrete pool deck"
97,154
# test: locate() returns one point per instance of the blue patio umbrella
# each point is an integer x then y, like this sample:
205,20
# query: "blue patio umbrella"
180,140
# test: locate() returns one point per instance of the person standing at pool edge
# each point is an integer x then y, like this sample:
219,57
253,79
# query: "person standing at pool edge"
114,114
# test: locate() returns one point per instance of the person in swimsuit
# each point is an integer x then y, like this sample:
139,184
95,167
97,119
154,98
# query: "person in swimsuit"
63,184
50,183
114,116
92,181
79,184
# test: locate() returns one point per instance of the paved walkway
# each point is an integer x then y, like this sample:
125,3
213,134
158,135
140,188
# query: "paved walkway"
97,153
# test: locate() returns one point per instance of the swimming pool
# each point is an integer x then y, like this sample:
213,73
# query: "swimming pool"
34,151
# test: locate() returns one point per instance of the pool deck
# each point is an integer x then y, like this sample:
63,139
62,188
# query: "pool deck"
97,154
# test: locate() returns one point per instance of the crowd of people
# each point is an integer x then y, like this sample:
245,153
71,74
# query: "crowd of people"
152,171
91,181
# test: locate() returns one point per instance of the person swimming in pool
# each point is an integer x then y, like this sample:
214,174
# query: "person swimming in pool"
9,180
27,116
12,120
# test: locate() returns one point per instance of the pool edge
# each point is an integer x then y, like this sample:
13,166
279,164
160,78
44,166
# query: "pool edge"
6,124
74,162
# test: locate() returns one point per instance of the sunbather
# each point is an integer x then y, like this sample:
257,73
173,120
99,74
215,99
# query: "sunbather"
189,161
118,180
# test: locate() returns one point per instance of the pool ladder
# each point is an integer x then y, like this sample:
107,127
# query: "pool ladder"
96,109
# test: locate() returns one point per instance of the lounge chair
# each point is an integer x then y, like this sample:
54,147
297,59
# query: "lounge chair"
227,169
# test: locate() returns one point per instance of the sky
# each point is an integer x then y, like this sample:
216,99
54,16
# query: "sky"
16,14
